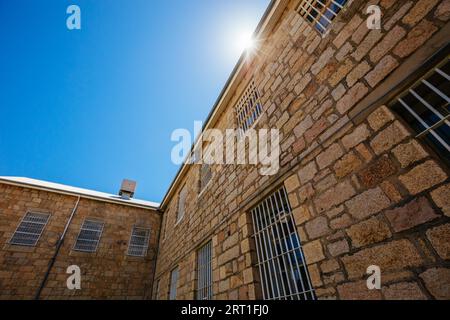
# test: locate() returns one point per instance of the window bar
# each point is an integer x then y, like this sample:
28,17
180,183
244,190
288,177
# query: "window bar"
319,12
442,73
267,260
208,259
436,90
263,260
308,277
259,258
327,7
312,17
337,4
208,267
433,127
430,107
272,255
287,260
210,252
200,295
426,126
286,237
278,250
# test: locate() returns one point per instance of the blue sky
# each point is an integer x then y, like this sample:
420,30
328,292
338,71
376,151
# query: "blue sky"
90,107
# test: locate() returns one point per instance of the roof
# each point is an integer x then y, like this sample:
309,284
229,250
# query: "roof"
84,193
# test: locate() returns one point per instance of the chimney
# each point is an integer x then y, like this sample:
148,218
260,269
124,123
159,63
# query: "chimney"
127,189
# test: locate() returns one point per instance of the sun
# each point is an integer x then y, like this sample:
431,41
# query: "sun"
245,41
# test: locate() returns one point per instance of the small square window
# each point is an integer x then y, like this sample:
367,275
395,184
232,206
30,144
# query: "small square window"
30,229
89,236
139,242
320,13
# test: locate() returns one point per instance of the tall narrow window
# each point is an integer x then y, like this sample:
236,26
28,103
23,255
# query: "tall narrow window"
173,284
205,176
181,204
320,13
281,263
248,108
89,236
139,242
156,293
204,273
425,106
30,229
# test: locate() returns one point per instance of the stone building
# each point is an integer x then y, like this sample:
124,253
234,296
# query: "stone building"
364,163
363,185
103,239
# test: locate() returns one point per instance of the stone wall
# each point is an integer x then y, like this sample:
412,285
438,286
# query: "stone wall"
107,274
363,190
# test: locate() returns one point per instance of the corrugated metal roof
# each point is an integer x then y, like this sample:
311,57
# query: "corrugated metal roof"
60,188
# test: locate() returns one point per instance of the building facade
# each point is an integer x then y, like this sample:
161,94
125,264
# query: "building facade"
364,170
112,241
363,187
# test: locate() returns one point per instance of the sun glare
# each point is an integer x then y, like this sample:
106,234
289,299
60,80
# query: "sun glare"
245,42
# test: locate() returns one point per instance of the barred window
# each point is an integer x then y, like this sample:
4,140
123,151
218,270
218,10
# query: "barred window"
205,176
249,108
181,203
89,236
425,107
173,284
30,229
139,242
204,273
320,13
281,263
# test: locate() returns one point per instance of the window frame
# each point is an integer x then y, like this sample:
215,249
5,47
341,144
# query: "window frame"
269,217
174,286
145,246
204,283
306,13
402,110
92,220
22,220
211,176
241,120
179,217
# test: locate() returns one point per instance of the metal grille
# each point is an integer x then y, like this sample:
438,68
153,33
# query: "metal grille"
320,13
173,284
249,108
89,236
139,242
30,229
205,176
181,204
204,269
425,107
281,263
